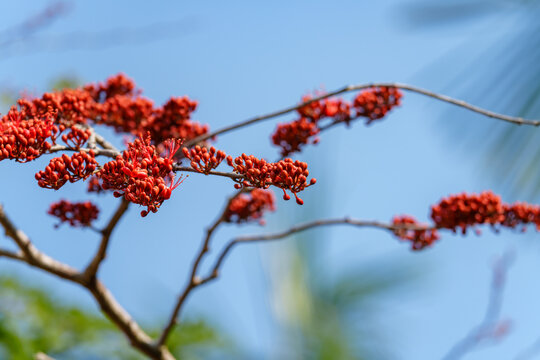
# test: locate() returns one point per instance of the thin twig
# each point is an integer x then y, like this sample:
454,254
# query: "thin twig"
194,281
93,267
448,99
177,167
489,328
104,152
11,255
214,273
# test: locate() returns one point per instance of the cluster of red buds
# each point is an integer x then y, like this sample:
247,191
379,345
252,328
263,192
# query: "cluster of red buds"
374,103
291,136
419,238
326,108
76,137
140,175
24,139
119,105
250,207
63,169
521,214
204,160
467,210
76,214
285,174
115,103
94,185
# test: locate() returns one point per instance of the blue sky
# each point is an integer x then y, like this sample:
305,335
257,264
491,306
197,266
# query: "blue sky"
240,59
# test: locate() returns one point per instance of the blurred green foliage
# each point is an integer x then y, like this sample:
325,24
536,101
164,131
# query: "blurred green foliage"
32,320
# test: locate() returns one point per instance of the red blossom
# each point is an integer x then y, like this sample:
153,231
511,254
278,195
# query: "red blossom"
76,137
204,160
467,210
140,175
374,103
23,139
285,174
291,136
419,238
63,169
94,185
250,207
521,213
75,214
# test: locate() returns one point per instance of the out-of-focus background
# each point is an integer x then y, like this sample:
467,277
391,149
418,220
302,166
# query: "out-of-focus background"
336,293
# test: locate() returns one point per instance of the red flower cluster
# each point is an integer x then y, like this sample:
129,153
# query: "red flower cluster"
76,214
119,105
63,169
291,136
285,174
204,160
521,214
374,103
419,238
94,185
76,137
464,210
25,139
317,110
250,207
115,103
141,175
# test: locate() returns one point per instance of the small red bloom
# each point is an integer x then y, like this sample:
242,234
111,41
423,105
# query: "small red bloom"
204,160
464,210
250,207
291,136
374,103
285,174
140,175
419,238
76,214
63,169
23,139
76,137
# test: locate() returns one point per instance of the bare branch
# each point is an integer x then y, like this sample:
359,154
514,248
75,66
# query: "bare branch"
490,327
444,98
299,228
11,255
216,173
194,281
93,267
108,304
104,152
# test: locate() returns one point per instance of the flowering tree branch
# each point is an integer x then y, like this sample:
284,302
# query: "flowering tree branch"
349,88
108,304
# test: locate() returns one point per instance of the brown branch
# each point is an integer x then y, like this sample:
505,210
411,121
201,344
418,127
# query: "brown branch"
93,267
194,281
299,228
490,327
108,304
444,98
177,167
104,152
11,255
